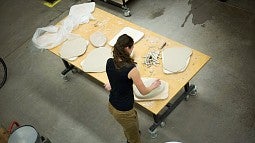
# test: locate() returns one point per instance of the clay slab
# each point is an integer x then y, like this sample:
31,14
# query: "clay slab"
157,94
135,34
98,39
73,48
96,60
175,59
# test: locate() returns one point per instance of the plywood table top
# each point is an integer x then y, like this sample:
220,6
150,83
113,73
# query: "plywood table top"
110,25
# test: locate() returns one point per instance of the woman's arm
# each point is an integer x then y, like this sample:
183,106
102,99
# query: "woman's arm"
135,76
107,86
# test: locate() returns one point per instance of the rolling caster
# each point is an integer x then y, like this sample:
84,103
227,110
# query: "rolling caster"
75,70
153,134
126,12
187,98
162,124
65,78
193,92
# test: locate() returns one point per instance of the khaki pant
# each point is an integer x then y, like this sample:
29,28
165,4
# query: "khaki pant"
129,122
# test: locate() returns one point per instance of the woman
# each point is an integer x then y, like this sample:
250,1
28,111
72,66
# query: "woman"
122,74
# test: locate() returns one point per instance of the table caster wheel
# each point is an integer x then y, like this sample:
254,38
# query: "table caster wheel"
64,77
186,98
127,12
193,92
75,70
153,134
162,124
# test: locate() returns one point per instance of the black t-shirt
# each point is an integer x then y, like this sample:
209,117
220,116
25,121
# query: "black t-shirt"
121,94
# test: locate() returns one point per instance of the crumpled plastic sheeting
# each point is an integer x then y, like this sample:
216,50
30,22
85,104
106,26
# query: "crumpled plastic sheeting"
51,36
82,12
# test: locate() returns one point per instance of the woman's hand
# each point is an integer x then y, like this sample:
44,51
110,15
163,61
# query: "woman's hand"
135,76
155,84
107,86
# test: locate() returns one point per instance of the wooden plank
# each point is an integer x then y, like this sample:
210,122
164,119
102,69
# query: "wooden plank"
110,25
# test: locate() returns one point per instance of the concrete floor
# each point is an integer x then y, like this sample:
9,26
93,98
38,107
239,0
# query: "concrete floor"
76,111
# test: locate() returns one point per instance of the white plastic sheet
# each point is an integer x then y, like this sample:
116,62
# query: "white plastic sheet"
82,12
51,36
46,37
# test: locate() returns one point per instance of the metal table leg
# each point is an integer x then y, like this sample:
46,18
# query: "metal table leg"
65,71
126,10
159,118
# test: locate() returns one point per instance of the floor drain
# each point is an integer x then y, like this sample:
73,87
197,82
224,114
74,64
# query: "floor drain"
51,3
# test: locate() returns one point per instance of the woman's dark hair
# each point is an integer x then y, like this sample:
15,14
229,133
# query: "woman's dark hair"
120,56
